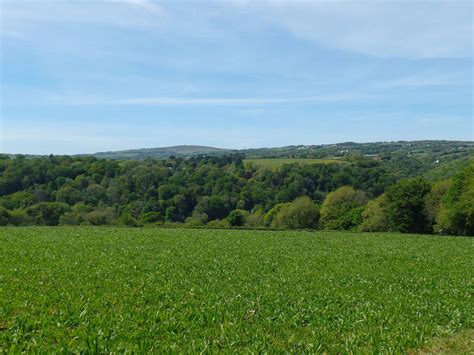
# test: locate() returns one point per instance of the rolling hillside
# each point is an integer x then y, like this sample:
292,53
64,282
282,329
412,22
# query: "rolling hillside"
163,152
428,150
409,158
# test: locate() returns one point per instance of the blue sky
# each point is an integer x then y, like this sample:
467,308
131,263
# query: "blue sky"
86,76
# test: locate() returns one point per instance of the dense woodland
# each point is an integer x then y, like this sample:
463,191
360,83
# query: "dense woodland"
224,191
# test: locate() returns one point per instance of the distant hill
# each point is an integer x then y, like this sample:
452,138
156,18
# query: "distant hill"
163,152
437,159
428,150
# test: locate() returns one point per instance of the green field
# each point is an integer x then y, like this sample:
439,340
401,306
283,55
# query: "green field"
275,163
117,289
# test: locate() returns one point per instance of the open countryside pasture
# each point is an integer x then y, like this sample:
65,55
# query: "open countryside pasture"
276,163
117,289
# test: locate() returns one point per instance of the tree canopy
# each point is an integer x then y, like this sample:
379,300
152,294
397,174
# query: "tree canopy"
226,192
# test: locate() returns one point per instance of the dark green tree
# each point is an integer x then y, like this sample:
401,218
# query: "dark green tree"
406,210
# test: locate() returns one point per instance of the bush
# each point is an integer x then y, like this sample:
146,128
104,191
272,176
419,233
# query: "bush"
342,209
269,217
19,217
197,218
127,220
21,199
302,213
4,216
375,216
193,222
255,219
219,224
237,218
47,213
433,202
150,218
100,217
76,216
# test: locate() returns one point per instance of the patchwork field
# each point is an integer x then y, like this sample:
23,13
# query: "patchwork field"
117,289
274,164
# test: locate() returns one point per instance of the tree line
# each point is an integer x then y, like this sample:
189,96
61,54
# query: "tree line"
226,192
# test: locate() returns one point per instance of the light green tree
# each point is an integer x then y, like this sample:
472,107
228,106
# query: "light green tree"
342,208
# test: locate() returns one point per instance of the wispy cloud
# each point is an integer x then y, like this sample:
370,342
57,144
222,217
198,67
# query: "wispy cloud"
232,72
407,29
24,19
226,101
203,101
146,4
428,78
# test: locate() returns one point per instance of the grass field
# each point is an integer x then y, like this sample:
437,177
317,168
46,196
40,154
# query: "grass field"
117,289
274,164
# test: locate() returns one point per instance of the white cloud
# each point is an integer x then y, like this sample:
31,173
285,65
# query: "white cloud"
401,28
23,18
202,101
225,101
413,29
428,78
145,4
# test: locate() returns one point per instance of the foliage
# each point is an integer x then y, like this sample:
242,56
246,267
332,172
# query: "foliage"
276,163
47,213
300,214
121,290
375,216
456,215
19,217
127,219
237,217
216,223
76,216
411,153
255,219
100,217
406,210
84,190
342,208
4,216
150,218
271,215
433,201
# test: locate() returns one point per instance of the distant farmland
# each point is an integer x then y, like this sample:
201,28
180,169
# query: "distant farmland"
275,163
104,290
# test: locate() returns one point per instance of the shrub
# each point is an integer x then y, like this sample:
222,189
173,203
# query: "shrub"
255,219
375,216
19,217
76,216
150,218
341,208
100,217
219,224
433,202
127,220
47,213
300,214
4,216
237,218
273,213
